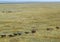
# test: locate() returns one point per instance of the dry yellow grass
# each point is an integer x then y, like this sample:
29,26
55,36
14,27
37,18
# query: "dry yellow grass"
25,17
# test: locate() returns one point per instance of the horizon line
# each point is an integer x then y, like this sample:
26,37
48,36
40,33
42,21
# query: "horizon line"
28,1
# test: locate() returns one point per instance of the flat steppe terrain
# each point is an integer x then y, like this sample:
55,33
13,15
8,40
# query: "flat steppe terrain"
42,17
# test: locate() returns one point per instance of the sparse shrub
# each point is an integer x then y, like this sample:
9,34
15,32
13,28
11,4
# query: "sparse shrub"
3,11
9,11
26,32
6,11
49,29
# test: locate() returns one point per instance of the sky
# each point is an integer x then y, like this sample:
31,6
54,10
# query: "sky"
29,0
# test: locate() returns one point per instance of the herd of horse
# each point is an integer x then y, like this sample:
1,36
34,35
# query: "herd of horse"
26,32
16,34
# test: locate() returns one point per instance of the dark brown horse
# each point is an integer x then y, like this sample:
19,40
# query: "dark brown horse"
2,36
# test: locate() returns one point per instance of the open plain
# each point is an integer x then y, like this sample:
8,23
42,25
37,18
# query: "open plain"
44,18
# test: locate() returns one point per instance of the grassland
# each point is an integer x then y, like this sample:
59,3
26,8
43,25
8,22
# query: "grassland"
25,17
